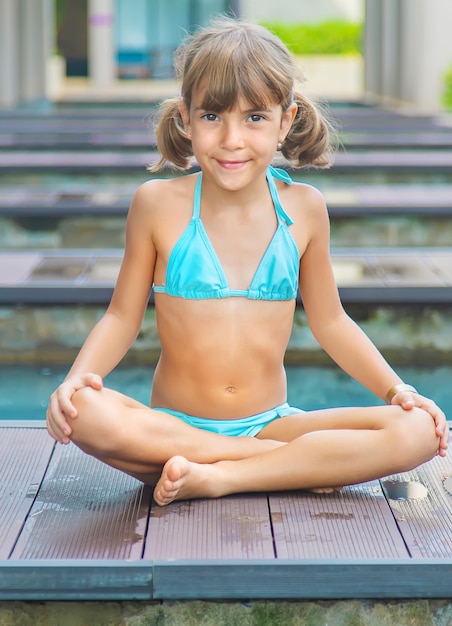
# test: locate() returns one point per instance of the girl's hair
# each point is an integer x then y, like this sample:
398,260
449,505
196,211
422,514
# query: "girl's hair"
231,59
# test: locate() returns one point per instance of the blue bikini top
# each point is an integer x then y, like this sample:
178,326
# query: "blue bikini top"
194,270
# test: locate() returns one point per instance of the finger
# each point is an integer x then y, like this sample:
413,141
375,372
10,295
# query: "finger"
440,419
57,420
407,402
55,431
51,431
64,403
437,415
66,430
94,380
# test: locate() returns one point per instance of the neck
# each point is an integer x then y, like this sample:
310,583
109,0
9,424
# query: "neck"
241,199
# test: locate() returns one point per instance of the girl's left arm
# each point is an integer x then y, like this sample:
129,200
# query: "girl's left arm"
336,332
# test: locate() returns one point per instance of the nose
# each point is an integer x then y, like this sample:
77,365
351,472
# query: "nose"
232,136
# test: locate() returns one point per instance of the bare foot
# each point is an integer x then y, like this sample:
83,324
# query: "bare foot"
184,480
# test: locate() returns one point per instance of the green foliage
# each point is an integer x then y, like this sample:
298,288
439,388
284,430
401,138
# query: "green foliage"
447,94
329,37
59,10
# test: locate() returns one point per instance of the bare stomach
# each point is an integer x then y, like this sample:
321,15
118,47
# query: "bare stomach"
209,395
221,369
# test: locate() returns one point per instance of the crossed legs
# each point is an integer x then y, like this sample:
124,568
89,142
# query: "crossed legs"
138,441
329,448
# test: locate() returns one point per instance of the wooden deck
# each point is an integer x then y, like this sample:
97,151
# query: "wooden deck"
73,528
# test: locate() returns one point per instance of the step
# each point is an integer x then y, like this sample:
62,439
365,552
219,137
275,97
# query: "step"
144,139
88,161
351,201
359,128
371,276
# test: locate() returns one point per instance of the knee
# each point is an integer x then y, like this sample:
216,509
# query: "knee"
418,434
85,399
94,429
86,403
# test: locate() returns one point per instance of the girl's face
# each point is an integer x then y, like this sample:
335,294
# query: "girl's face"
235,147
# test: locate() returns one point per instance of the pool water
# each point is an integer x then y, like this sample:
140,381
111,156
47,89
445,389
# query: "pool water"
24,390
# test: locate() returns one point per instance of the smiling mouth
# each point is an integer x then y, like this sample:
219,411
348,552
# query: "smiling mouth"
231,165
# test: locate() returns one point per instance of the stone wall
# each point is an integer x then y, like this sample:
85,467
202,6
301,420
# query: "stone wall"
407,335
341,613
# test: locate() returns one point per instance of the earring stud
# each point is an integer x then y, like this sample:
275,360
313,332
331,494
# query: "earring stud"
279,145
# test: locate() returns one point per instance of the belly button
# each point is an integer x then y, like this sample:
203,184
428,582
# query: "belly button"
230,389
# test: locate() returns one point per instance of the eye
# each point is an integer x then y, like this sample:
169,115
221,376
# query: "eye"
256,117
210,117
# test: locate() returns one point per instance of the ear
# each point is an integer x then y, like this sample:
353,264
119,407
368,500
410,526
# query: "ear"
185,118
287,119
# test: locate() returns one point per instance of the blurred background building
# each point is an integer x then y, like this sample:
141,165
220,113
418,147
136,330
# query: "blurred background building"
407,46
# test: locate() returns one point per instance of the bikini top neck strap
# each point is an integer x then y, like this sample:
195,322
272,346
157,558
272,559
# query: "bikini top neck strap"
197,198
272,173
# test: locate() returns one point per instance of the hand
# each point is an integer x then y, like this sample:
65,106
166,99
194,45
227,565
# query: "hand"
407,400
61,409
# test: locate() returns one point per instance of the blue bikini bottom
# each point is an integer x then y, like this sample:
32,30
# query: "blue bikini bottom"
246,426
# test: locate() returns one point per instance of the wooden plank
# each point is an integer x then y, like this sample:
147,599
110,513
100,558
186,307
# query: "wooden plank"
304,579
419,160
24,456
139,137
75,580
357,201
421,501
23,424
234,527
85,510
353,523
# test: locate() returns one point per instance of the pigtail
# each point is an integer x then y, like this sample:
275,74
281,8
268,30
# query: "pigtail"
172,141
311,138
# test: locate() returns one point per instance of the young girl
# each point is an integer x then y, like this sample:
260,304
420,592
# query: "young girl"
226,250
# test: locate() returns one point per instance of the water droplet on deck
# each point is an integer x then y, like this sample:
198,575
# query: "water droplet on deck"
332,515
401,490
447,484
32,490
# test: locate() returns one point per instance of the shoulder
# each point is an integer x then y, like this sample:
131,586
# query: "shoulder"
161,196
156,192
303,201
307,207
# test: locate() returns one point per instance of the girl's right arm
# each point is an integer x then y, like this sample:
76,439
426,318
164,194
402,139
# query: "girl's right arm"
113,335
